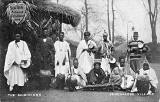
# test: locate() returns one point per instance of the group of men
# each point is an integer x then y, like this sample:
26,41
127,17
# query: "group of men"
85,69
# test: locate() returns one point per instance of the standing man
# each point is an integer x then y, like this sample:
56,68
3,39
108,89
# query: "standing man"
18,56
136,52
85,53
105,50
62,55
47,51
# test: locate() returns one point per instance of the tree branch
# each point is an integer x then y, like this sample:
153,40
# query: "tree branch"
144,6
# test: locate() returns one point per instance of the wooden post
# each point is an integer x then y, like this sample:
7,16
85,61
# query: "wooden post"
108,20
86,16
112,22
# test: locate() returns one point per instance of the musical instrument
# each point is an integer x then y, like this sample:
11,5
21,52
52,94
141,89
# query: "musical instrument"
60,81
25,65
134,88
140,45
90,47
71,82
127,82
143,86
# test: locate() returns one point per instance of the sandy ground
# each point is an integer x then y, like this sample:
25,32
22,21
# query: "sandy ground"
52,95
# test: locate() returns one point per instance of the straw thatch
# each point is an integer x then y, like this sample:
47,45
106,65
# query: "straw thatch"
63,13
41,8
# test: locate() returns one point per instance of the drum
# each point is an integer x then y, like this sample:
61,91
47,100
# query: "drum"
26,65
60,81
142,86
71,83
140,45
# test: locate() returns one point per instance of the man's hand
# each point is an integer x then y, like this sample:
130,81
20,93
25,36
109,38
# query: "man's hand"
24,61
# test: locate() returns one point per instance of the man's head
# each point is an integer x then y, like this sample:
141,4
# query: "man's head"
61,36
87,35
122,61
145,66
75,63
17,37
45,32
105,36
135,36
97,65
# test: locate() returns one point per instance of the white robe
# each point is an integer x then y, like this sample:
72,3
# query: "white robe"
61,52
151,74
16,53
79,75
85,59
127,79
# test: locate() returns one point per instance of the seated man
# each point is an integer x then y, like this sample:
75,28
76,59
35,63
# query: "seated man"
115,76
97,75
127,78
76,78
147,74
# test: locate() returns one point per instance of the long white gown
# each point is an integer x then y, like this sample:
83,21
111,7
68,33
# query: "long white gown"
62,50
79,75
85,59
16,53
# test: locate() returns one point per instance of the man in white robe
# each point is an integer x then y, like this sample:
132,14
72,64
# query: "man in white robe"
62,53
76,76
85,53
18,56
149,73
105,50
125,71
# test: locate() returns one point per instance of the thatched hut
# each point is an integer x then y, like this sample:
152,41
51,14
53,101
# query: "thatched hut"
42,14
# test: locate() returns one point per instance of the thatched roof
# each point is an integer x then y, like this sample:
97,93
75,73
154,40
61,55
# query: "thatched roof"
41,8
64,14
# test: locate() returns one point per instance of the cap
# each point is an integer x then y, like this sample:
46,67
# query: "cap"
135,34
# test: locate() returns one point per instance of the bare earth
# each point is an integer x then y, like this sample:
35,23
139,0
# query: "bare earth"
52,95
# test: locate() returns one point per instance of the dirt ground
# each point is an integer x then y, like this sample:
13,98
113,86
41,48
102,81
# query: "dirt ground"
52,95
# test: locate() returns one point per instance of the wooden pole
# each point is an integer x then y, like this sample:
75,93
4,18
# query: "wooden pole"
113,22
86,16
108,20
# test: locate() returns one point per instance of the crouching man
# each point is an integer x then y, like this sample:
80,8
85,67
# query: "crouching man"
97,75
76,78
147,78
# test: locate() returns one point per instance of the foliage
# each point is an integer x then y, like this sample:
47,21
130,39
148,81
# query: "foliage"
119,40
